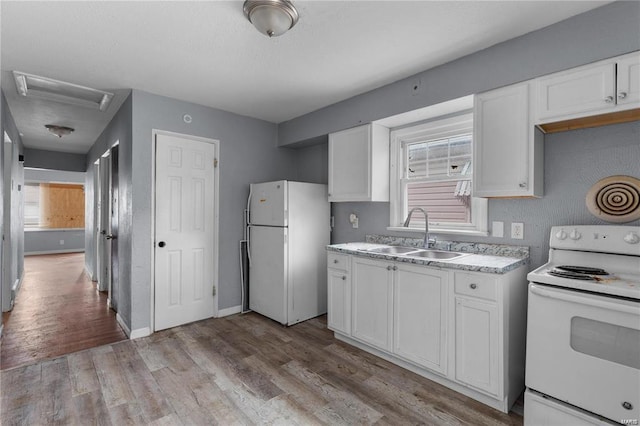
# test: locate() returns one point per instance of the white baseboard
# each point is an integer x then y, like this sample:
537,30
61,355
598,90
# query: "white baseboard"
89,274
123,325
140,332
229,311
35,253
135,334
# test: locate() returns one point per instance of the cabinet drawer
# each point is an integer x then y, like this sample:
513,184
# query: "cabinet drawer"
476,285
338,261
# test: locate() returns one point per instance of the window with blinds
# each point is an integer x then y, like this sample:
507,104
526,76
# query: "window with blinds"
431,166
437,177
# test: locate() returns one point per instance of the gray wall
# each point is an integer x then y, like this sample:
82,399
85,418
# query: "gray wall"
119,129
598,34
45,175
2,112
312,163
573,162
13,250
41,159
248,153
42,241
38,241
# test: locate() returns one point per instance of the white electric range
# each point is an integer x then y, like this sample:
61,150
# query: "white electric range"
583,329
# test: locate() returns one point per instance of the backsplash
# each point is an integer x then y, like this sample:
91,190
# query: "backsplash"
520,252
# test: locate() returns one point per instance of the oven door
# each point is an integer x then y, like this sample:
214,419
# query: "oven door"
584,349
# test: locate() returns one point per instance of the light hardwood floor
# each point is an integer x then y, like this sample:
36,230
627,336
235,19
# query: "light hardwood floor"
243,369
57,311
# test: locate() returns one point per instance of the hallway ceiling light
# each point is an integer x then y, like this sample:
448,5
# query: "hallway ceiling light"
36,86
271,17
59,131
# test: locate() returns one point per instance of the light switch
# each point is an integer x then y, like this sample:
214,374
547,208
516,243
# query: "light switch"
497,229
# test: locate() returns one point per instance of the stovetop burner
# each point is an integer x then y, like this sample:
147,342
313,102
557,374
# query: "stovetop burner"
584,273
568,274
582,270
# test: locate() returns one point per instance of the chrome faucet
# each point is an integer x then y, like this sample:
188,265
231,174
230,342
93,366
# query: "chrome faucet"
428,242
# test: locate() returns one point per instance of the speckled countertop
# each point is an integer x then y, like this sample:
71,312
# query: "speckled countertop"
478,257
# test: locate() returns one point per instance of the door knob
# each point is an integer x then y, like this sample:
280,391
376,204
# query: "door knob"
162,244
111,237
609,99
622,95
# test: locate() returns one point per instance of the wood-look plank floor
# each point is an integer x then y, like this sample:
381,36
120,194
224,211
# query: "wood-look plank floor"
238,370
57,311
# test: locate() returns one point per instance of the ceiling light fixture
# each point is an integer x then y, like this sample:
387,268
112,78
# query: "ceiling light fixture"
271,17
30,85
59,131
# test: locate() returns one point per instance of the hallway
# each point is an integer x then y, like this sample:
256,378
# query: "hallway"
57,311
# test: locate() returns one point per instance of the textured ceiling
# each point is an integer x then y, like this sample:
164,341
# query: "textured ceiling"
208,53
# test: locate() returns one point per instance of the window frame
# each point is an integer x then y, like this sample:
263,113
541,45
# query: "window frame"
438,128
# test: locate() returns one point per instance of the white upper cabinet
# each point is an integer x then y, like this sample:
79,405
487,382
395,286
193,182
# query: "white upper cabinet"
629,80
507,149
599,88
359,164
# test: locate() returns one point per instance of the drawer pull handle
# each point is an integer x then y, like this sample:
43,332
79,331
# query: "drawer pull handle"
335,260
344,278
473,286
627,405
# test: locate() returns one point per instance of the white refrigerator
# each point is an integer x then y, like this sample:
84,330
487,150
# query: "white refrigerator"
288,232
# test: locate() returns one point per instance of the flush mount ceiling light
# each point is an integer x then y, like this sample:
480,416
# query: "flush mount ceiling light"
35,86
59,131
271,17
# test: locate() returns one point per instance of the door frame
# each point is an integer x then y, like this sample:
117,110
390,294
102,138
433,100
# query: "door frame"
216,218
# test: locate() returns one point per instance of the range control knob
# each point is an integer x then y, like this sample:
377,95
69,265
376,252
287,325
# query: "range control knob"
632,238
561,235
575,235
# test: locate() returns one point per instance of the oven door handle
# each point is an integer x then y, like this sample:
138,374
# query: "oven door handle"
599,302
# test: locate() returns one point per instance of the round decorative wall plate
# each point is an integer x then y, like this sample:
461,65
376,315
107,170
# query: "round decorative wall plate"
615,199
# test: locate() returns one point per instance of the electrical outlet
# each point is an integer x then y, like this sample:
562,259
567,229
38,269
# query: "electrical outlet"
353,218
517,230
497,229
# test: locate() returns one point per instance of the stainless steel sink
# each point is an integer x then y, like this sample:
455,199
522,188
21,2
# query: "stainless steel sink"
435,254
393,250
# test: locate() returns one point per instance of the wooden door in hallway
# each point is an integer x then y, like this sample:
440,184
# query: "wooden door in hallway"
185,230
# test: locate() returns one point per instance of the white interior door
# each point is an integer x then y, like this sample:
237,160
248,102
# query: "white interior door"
185,231
104,245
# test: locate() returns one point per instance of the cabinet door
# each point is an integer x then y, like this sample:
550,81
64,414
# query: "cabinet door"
339,301
628,90
371,316
478,345
350,164
502,145
420,316
578,92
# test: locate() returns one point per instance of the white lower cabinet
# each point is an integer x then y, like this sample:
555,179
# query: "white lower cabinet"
464,330
339,293
339,301
420,316
371,303
477,344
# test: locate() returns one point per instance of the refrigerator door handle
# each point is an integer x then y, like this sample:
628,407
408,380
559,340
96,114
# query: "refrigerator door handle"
249,244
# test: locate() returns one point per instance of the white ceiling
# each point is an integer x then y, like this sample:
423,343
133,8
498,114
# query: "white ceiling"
207,52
